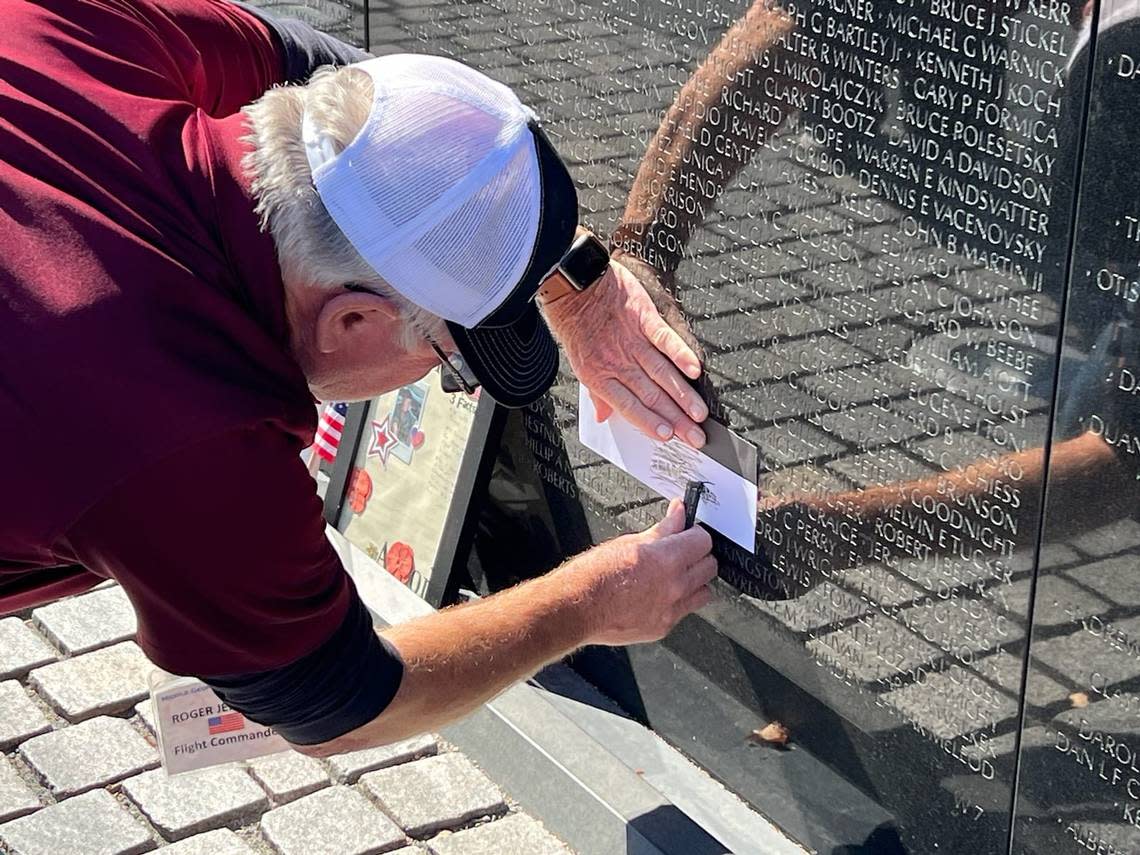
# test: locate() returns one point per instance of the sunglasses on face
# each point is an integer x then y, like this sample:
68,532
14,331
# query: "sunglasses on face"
456,375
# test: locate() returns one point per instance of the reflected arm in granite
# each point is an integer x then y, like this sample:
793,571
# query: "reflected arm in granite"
718,121
1083,468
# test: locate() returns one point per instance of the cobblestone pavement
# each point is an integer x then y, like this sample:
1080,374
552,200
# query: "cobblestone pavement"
79,772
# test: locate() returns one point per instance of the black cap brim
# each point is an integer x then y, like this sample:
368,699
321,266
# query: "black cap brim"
511,352
514,364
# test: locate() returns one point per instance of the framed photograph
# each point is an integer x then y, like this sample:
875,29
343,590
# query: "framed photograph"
409,464
405,420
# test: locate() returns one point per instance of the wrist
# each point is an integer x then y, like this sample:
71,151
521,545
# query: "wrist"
581,267
555,288
562,312
579,585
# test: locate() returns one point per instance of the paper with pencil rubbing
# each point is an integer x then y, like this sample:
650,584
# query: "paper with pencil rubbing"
729,505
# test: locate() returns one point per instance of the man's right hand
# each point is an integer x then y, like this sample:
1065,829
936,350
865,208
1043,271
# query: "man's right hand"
638,586
632,589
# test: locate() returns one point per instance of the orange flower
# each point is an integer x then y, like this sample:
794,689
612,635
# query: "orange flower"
359,490
400,561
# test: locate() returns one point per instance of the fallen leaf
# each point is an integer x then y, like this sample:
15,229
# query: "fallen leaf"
1079,699
773,733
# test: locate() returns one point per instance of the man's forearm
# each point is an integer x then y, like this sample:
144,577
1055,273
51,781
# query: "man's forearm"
628,590
459,658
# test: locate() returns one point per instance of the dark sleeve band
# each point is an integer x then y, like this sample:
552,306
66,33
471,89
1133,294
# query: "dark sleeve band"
305,49
344,683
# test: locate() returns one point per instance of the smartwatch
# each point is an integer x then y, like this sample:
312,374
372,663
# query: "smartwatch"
583,264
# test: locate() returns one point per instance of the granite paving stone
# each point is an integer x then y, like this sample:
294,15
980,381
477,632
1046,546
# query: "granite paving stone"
84,623
336,821
220,841
16,797
1113,537
513,835
90,824
435,793
97,752
144,709
952,703
1114,579
347,768
22,648
19,715
1074,656
103,681
288,775
182,805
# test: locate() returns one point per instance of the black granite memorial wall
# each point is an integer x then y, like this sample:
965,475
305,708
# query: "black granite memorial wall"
345,19
905,235
865,211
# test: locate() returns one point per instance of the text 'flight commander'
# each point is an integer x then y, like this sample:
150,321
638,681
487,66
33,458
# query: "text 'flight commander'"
189,255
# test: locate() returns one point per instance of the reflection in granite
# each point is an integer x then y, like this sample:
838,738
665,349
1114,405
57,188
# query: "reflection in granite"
1087,613
865,210
343,19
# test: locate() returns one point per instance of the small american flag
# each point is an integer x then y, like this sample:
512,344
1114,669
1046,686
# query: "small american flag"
328,431
226,722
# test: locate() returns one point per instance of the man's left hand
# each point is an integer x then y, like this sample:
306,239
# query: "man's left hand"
629,359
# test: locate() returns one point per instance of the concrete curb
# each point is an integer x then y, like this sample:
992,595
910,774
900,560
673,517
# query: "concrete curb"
602,782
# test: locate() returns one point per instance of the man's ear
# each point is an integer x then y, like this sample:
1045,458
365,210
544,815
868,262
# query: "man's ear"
348,315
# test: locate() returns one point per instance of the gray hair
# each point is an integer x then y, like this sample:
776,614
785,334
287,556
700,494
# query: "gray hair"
311,249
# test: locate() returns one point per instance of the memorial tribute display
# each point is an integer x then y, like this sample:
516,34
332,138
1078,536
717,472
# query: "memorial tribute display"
403,480
905,235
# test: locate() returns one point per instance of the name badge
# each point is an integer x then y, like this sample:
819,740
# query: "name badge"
197,729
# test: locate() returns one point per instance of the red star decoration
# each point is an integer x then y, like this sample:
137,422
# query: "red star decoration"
382,441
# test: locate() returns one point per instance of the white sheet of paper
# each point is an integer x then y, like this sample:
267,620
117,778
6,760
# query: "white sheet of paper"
729,506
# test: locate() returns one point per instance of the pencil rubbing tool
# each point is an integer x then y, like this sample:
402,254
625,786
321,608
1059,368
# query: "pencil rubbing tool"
727,467
693,493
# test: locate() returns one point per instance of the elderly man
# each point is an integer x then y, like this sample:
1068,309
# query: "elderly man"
181,277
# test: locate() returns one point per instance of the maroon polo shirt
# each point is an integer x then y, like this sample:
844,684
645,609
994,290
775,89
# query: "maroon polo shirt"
150,410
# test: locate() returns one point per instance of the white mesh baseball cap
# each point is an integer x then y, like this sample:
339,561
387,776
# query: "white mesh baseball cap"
452,193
